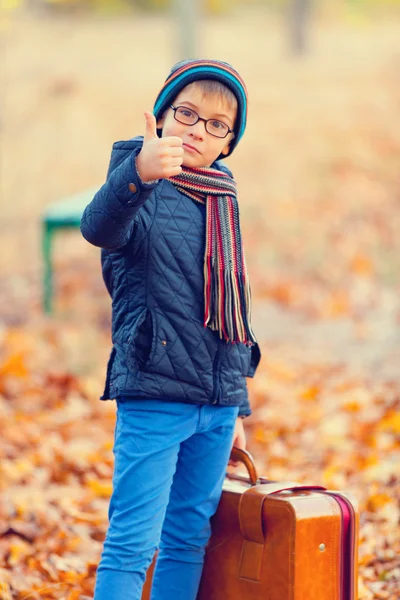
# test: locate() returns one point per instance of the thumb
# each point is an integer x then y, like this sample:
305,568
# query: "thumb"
151,126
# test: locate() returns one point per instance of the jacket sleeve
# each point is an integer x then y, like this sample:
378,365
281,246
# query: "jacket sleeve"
108,220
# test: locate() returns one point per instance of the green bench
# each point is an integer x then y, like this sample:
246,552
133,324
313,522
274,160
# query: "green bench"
64,214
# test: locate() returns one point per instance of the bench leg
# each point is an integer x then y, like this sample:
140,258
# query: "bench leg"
47,268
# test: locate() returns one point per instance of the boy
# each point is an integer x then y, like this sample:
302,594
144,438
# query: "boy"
167,221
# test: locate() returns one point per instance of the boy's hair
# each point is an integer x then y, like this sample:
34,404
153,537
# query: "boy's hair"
212,87
207,71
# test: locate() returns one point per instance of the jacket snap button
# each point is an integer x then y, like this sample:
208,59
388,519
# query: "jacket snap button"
164,342
132,188
322,547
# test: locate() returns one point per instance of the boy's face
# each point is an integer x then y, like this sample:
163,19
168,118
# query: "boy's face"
201,148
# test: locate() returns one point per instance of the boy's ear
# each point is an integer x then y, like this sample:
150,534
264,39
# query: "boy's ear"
225,151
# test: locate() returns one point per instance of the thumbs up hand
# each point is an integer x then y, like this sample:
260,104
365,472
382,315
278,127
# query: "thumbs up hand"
159,157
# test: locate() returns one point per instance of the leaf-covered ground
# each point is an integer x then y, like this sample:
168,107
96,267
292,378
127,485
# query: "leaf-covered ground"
319,178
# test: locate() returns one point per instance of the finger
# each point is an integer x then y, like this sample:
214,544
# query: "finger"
151,126
174,171
171,163
172,151
172,141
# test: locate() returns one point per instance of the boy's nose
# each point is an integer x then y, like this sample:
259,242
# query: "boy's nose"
198,130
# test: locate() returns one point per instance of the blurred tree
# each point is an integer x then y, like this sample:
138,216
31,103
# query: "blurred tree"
187,14
299,17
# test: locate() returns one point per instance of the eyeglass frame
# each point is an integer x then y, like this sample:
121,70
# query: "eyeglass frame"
175,108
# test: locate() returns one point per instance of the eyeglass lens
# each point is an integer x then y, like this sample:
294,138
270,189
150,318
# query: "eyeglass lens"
190,117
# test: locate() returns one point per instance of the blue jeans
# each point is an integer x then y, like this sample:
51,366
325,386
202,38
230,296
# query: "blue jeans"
170,464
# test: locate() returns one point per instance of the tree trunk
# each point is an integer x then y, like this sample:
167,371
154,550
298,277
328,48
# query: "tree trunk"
187,17
299,17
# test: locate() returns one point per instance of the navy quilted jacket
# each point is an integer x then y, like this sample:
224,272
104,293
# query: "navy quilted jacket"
152,240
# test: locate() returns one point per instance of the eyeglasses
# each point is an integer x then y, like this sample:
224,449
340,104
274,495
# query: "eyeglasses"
187,116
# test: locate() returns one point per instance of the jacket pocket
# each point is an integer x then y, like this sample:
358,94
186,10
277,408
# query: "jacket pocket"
249,358
141,342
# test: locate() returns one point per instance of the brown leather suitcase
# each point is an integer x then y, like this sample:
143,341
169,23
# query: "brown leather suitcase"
279,541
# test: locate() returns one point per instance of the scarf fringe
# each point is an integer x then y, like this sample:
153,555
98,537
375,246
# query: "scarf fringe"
229,307
227,294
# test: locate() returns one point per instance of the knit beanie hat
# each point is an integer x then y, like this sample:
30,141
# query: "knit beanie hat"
187,71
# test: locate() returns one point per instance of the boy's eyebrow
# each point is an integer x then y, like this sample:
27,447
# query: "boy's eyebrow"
223,115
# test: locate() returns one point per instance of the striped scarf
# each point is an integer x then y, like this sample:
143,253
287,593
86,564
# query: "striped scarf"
227,292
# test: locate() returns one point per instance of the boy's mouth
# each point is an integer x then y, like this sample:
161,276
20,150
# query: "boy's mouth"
190,148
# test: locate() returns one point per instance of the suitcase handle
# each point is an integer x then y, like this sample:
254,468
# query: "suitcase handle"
243,456
269,486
